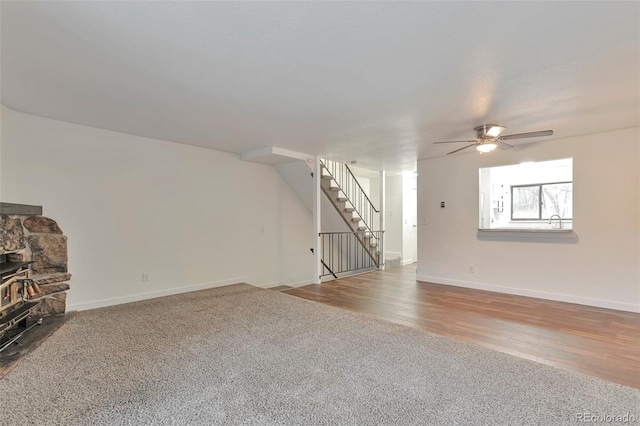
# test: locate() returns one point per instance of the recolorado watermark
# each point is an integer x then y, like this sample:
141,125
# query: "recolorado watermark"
605,418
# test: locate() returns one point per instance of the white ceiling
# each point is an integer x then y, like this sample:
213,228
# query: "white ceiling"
372,82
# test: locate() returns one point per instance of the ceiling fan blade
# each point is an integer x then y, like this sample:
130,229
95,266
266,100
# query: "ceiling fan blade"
526,135
473,141
460,149
504,146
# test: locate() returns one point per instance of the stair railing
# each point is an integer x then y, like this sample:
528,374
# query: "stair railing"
348,252
349,185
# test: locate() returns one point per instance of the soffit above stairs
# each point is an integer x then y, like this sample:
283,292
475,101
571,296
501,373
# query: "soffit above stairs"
273,156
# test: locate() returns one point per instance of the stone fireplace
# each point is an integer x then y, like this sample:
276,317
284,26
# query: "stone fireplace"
33,255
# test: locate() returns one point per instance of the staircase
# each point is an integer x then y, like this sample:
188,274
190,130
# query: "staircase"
352,204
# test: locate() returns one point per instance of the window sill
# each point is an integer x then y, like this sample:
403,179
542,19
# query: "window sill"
545,221
539,235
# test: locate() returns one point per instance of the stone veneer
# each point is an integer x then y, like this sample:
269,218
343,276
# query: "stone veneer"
40,239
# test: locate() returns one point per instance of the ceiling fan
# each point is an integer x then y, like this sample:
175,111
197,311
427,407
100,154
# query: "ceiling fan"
488,138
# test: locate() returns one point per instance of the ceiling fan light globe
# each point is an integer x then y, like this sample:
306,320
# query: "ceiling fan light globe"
495,131
486,147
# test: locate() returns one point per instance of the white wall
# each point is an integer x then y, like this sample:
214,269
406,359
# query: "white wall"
393,234
602,268
297,174
409,222
369,181
400,217
374,191
190,217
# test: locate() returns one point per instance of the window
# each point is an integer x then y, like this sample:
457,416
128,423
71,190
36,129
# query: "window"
524,196
540,202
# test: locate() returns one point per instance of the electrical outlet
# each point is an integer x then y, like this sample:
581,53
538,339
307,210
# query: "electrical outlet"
472,269
145,277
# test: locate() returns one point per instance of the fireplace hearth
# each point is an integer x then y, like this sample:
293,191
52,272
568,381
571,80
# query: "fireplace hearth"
17,294
33,271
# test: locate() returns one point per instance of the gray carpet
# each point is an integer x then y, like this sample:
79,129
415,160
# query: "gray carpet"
242,355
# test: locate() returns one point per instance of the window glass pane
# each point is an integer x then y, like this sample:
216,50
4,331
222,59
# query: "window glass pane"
526,202
557,199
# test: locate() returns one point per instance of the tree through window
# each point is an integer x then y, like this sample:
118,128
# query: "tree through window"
541,201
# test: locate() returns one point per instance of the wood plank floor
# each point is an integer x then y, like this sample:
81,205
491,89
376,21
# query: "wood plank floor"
599,342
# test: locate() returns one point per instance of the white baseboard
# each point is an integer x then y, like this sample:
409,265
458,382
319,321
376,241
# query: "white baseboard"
279,283
268,285
600,303
301,283
341,275
407,262
150,295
